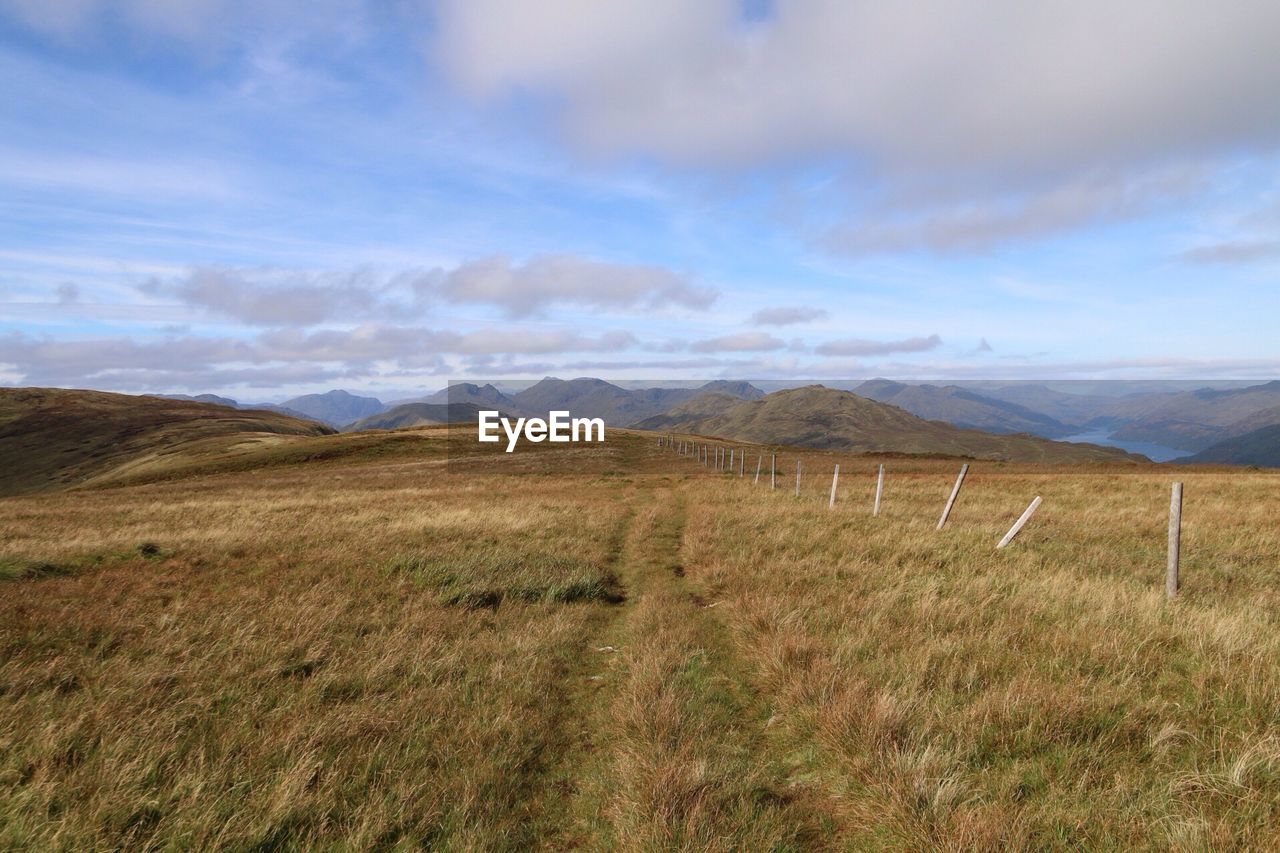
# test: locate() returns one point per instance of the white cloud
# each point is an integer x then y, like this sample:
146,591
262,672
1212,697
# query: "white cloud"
948,126
282,297
928,84
285,297
1233,252
786,316
742,342
522,290
860,347
120,362
979,225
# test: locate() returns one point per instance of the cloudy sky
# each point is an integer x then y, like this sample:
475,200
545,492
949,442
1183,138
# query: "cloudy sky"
265,197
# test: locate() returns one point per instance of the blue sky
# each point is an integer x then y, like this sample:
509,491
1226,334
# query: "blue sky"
269,198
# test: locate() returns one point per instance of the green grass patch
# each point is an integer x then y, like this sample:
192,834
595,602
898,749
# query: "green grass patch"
21,570
486,579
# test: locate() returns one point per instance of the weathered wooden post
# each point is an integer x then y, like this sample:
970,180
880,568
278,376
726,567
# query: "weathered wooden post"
835,478
759,459
1017,525
946,510
742,463
1175,541
773,471
875,510
797,478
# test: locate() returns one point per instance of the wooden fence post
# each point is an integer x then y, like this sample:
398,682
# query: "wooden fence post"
731,455
875,510
759,459
742,463
835,478
773,471
946,510
797,478
1175,541
1017,525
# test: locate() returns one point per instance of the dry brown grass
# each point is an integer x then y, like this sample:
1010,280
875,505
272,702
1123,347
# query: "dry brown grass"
367,650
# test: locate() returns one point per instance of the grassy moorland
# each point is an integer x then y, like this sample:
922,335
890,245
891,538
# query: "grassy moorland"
345,641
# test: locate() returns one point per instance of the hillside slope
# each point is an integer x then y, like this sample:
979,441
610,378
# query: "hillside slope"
1260,447
960,407
52,438
1194,420
824,418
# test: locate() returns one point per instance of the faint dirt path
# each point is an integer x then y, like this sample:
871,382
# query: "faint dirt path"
667,745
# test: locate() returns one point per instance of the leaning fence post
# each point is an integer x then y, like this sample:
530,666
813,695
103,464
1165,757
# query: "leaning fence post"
773,471
797,478
1017,525
835,478
759,459
1175,541
946,510
875,510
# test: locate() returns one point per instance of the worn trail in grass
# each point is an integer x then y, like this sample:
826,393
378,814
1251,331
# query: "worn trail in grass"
674,751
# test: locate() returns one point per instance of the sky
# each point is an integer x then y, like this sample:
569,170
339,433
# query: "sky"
263,198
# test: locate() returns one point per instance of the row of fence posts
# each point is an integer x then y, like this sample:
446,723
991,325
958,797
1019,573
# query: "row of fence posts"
716,455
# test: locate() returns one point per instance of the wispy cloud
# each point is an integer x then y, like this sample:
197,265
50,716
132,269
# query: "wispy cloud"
741,342
787,316
1233,252
861,347
522,290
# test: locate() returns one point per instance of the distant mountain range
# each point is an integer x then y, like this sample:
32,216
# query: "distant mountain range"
826,418
1189,420
420,414
591,398
1195,420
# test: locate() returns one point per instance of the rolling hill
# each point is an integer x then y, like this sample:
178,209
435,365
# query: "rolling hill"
960,407
824,418
51,438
